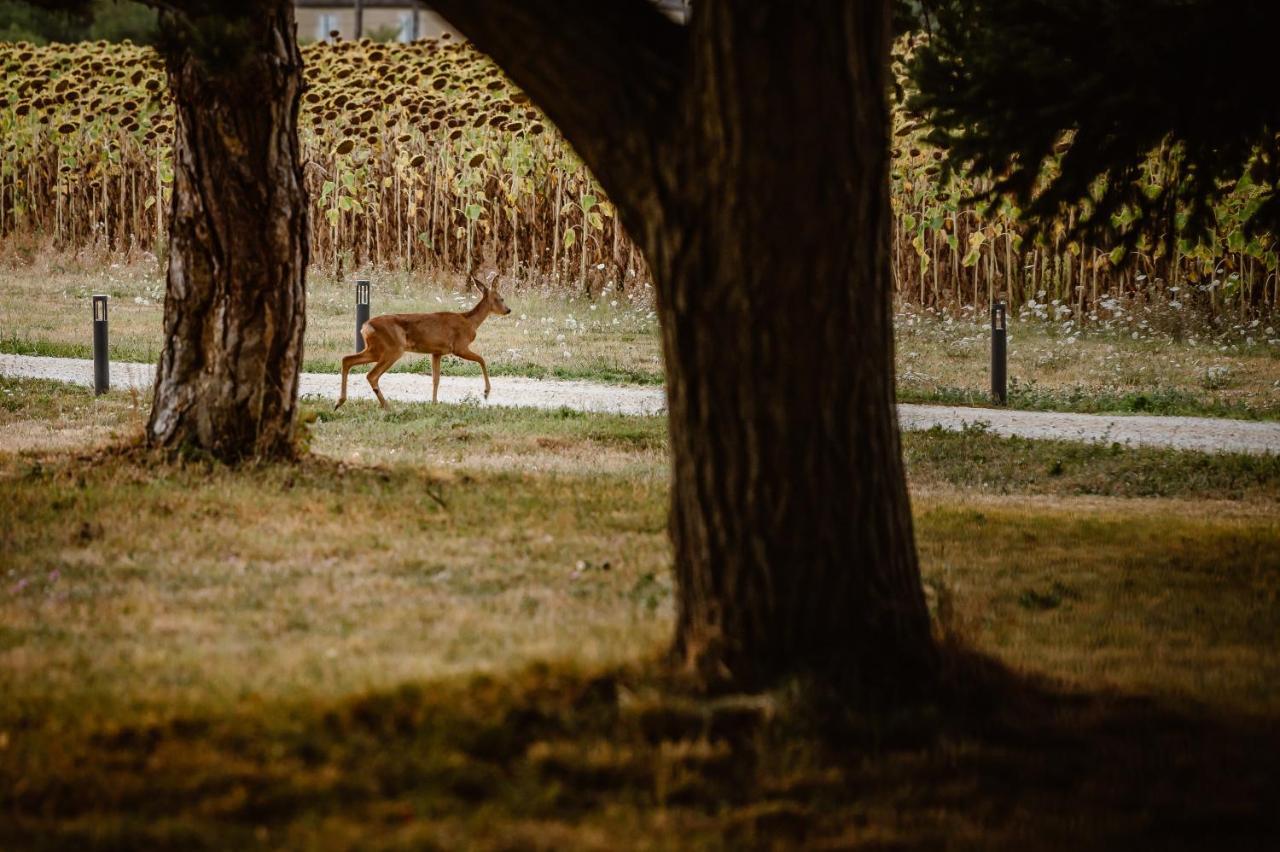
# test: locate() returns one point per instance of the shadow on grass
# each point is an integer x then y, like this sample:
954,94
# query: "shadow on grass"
557,758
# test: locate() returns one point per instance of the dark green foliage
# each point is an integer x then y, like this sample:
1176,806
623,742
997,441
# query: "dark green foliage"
217,32
19,21
1064,101
44,21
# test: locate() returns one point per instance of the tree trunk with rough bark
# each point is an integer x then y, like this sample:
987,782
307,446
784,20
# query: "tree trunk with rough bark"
235,294
749,155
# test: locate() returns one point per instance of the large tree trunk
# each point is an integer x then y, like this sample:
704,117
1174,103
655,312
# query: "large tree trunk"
790,519
235,298
751,161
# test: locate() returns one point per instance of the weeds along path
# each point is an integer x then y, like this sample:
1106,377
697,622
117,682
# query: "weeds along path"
1187,433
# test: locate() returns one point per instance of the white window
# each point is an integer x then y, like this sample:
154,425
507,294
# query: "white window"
326,22
406,27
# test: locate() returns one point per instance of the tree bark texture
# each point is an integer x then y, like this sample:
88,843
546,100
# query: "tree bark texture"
749,155
235,294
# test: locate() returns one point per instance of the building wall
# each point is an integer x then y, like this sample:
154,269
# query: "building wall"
312,20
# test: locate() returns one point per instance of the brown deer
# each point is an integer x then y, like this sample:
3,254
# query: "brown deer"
388,337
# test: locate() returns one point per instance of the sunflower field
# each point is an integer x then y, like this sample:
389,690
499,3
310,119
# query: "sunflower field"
425,157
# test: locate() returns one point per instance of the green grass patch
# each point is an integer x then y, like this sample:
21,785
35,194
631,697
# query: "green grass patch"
1087,399
977,461
42,416
1115,593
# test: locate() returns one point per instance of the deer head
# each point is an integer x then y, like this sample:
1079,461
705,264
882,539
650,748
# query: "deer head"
491,294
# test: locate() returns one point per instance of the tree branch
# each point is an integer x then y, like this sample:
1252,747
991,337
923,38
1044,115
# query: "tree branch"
607,72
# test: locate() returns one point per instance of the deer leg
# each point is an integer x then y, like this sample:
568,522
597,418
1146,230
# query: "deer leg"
376,373
435,376
347,363
484,368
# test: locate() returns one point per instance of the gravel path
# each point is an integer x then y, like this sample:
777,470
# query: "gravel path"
1192,433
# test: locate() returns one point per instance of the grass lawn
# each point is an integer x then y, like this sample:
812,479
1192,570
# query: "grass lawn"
442,630
44,310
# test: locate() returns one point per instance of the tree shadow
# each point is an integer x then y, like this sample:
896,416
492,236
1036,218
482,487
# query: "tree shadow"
1018,760
555,757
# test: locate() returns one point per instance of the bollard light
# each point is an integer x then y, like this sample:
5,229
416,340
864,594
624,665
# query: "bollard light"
101,366
362,311
999,354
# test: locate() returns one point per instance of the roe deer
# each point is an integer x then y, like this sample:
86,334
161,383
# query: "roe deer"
389,336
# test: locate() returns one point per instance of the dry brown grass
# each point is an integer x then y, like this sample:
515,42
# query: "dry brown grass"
424,647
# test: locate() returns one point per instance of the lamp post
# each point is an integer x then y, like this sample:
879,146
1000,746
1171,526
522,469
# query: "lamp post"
362,311
101,366
999,354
